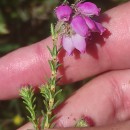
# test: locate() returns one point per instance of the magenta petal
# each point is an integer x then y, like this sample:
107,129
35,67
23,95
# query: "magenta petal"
91,24
79,25
100,28
88,8
79,42
63,12
68,44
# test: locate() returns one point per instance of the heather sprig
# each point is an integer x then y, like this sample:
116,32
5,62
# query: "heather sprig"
49,90
27,94
75,25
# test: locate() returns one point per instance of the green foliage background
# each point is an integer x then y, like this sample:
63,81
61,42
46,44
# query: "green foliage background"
24,22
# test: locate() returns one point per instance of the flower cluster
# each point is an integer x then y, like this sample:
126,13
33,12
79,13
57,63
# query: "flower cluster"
75,24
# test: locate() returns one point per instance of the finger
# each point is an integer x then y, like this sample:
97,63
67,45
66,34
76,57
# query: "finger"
29,65
28,126
103,101
119,126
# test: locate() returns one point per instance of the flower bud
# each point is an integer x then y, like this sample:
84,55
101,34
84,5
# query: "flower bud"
63,12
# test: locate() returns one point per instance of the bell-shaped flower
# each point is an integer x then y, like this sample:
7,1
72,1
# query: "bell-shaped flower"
88,9
79,42
63,12
78,24
75,41
68,44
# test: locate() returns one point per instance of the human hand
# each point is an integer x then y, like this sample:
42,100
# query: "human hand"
105,99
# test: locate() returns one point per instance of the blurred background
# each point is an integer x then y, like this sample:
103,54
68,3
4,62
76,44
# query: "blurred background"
24,22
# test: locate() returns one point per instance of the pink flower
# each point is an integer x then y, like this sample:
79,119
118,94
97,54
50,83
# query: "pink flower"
63,12
79,26
75,41
68,44
76,25
79,42
88,8
94,26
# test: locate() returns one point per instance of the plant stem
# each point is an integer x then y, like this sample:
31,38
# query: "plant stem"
49,90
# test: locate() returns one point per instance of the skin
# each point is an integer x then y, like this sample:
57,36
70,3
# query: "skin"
105,99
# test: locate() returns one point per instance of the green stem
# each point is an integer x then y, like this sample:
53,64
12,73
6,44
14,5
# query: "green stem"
49,90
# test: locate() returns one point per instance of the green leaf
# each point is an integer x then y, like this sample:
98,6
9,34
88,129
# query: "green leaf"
51,65
56,104
43,121
59,91
46,93
53,82
54,50
52,31
51,52
52,118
